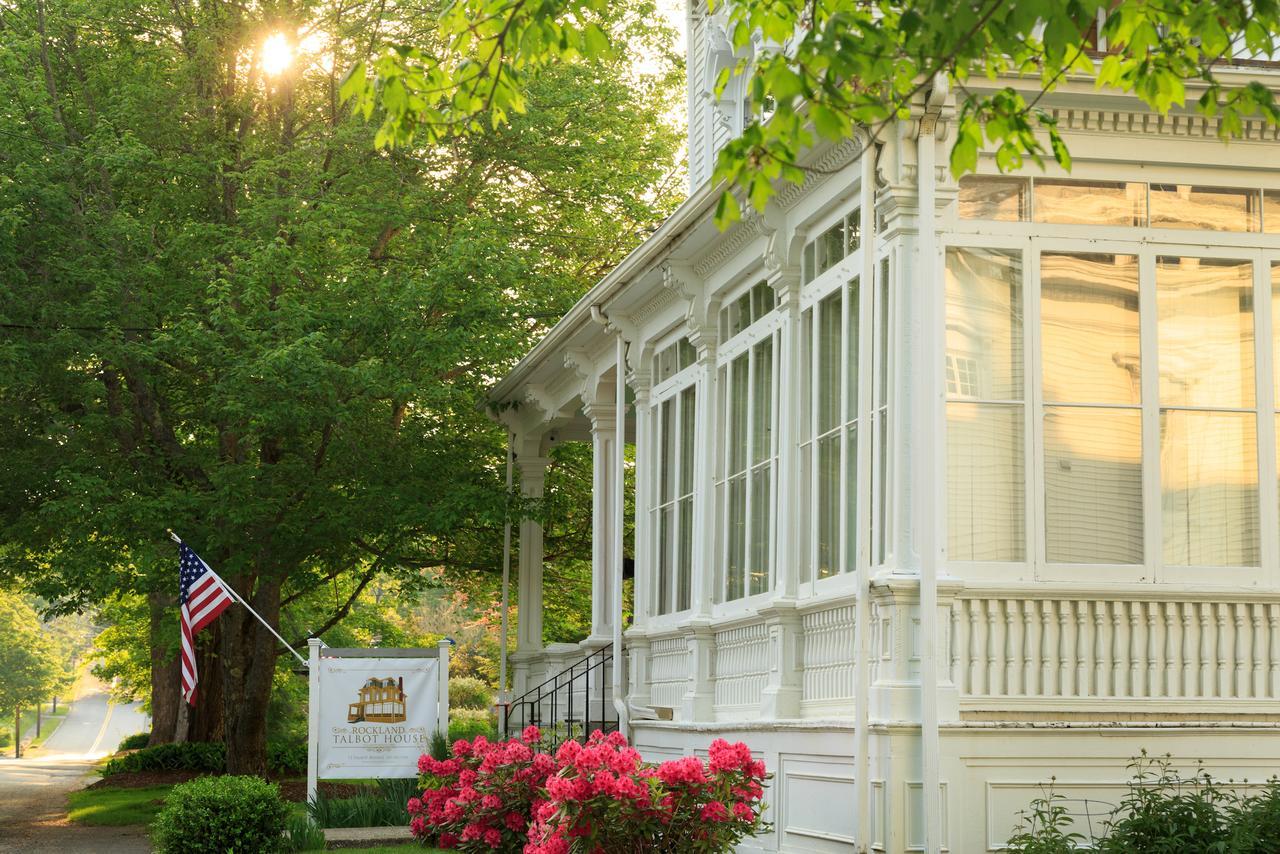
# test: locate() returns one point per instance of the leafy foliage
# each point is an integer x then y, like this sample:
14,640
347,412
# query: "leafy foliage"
137,741
219,814
468,692
383,805
1044,827
203,756
818,69
32,669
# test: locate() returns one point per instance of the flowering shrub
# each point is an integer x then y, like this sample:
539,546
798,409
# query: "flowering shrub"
597,797
482,797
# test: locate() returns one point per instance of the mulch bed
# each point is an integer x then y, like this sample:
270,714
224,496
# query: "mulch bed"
290,789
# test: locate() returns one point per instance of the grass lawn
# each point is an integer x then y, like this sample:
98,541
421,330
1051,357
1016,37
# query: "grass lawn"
114,807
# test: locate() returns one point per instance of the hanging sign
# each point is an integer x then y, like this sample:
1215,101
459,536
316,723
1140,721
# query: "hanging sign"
373,711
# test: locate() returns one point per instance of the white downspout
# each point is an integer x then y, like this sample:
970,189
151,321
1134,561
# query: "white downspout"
619,517
929,471
503,693
862,605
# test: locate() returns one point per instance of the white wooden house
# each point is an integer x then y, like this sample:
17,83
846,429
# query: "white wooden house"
943,488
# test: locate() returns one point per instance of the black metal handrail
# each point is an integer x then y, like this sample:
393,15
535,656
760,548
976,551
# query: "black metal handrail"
596,713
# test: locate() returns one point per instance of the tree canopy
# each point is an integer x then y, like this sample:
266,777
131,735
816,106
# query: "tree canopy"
818,69
222,311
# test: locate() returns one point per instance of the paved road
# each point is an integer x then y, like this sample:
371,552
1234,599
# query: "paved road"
33,789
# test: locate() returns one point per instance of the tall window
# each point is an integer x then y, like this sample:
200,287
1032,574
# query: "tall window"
986,498
880,417
1208,422
1092,408
674,510
829,455
746,480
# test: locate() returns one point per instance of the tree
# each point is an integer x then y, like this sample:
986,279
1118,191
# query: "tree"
225,313
31,671
824,66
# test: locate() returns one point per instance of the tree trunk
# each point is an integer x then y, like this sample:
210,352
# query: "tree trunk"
166,673
249,659
17,732
205,722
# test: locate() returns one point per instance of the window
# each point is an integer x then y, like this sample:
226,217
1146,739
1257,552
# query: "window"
739,314
1119,203
1208,424
830,428
676,420
986,500
745,484
1003,199
673,359
831,246
1092,420
1205,208
880,417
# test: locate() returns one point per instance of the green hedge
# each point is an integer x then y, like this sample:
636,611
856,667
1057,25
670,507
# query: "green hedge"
137,741
220,814
468,723
204,756
468,692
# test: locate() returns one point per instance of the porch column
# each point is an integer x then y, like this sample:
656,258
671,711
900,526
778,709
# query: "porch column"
699,700
642,590
533,474
603,435
783,691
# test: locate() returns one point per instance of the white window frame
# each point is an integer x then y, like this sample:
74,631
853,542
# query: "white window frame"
1147,244
745,343
670,390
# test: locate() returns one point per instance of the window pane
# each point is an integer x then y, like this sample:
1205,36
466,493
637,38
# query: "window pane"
851,357
1271,211
687,354
666,363
1206,332
986,482
807,266
853,231
1091,202
665,533
738,414
806,361
879,496
667,456
1209,488
760,516
1089,328
1275,325
688,422
737,534
851,499
830,355
684,585
982,197
1093,485
984,319
830,247
762,406
829,506
1207,208
882,335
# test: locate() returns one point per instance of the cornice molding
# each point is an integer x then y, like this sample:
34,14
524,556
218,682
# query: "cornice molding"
1183,125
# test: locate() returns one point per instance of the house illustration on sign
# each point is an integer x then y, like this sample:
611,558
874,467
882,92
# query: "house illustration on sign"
381,701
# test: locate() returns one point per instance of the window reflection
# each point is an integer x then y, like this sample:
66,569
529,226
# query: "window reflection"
1093,485
1206,332
1089,328
1205,208
1091,202
986,474
1209,488
997,198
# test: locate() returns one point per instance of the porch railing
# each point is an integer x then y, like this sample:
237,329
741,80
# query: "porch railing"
569,705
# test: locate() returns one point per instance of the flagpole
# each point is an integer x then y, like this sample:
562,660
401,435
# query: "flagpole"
240,599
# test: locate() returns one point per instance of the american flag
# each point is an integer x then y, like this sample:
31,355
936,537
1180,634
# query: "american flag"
203,597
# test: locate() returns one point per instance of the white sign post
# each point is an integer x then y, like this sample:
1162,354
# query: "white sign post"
372,712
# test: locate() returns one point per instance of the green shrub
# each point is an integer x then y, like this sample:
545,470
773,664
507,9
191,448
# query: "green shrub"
1044,827
1164,811
207,757
468,723
468,692
1255,822
221,814
137,741
287,757
302,835
384,805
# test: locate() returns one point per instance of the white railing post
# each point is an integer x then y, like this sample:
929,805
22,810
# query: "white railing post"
314,646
